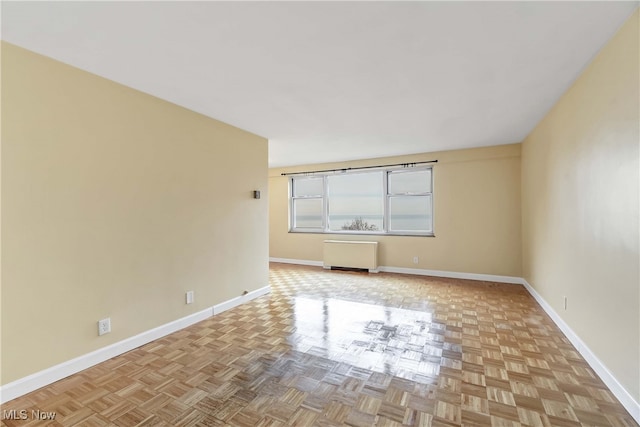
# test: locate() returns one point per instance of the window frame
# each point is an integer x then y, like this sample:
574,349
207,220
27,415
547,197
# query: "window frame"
385,230
292,206
328,203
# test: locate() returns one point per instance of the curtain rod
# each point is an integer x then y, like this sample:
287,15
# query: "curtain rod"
405,165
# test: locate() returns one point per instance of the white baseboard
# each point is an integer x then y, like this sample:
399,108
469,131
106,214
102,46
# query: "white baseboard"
416,271
605,375
452,274
297,261
50,375
234,302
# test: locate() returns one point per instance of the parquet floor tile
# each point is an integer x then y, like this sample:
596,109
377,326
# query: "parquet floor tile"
330,348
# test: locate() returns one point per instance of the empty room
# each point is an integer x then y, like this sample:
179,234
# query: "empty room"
320,213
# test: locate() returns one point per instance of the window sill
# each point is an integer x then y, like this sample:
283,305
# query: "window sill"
355,233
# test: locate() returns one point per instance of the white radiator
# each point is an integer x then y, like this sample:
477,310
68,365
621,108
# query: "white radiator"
351,254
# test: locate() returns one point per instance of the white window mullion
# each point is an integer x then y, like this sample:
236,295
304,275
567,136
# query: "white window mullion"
385,191
325,203
292,217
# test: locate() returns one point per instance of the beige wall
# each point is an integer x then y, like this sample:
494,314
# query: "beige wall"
476,218
114,204
580,185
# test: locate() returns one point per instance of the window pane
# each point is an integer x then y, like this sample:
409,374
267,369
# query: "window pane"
410,213
356,202
307,213
307,187
410,182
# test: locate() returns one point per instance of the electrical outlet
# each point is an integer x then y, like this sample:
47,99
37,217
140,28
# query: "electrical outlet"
189,297
104,326
416,260
565,302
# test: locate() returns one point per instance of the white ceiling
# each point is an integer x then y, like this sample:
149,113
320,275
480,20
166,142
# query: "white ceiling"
328,81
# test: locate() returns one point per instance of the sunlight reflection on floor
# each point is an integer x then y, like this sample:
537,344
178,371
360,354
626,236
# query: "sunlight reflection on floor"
383,339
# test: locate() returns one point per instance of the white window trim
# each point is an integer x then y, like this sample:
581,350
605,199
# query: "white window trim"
292,216
388,196
385,231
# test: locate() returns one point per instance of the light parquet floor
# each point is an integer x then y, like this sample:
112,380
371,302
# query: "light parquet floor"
331,348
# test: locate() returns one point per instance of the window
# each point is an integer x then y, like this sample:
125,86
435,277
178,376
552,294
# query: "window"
409,197
393,201
308,203
356,202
